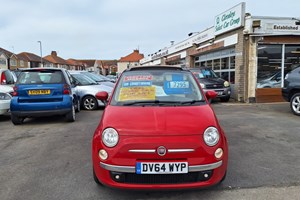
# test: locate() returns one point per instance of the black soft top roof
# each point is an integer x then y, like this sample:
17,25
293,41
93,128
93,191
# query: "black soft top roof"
156,67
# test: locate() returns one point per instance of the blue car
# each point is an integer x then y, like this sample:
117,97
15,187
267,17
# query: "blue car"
44,92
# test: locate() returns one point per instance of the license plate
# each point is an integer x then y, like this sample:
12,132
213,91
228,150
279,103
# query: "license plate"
161,167
39,92
220,93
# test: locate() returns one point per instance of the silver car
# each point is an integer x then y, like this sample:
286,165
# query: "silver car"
5,97
86,89
273,81
100,79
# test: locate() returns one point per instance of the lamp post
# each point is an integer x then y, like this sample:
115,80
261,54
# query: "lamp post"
41,53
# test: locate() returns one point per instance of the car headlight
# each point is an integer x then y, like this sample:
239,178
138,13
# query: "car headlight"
4,96
226,84
110,137
202,85
211,136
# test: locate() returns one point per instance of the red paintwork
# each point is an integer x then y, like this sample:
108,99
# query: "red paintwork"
210,94
151,127
102,95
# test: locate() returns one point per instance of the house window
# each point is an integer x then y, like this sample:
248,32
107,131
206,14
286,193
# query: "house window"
21,63
2,61
13,62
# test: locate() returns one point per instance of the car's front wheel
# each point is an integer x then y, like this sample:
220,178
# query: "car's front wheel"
16,120
71,116
90,103
295,104
225,99
95,178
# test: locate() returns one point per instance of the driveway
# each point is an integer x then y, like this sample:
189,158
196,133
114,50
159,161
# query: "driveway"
48,158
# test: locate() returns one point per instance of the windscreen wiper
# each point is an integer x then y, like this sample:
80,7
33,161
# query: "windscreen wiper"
192,102
151,102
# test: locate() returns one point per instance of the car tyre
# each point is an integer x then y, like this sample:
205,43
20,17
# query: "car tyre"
71,116
78,106
16,120
95,178
224,177
225,99
90,103
295,104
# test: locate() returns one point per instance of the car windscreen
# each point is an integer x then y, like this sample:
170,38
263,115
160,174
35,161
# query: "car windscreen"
205,73
41,77
82,79
157,87
95,77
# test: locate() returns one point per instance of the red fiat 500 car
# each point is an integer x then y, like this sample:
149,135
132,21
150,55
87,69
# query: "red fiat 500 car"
158,131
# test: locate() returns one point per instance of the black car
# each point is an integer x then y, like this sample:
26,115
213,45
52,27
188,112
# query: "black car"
209,80
291,90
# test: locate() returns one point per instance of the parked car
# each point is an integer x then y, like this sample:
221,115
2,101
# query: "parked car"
273,81
209,80
5,97
43,92
7,77
86,90
113,78
158,131
97,78
291,90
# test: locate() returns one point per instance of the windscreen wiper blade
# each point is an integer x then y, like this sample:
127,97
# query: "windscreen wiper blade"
192,102
151,102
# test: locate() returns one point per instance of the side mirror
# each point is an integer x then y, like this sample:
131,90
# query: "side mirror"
102,96
210,94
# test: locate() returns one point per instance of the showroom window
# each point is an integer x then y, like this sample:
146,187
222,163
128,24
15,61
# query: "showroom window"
270,59
222,62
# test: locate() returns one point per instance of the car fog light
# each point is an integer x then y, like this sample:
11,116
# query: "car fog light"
103,154
219,153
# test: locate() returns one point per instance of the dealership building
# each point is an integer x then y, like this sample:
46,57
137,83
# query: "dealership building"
252,52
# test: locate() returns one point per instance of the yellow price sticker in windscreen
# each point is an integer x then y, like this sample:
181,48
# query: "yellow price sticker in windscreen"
137,93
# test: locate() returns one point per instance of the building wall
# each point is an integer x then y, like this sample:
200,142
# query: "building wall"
124,65
3,62
240,68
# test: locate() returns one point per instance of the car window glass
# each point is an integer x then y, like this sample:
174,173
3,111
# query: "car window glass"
41,77
9,77
156,85
83,80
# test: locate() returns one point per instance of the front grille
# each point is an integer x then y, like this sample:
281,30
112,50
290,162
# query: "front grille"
131,178
214,86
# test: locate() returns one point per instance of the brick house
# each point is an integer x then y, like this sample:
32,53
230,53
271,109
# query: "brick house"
130,60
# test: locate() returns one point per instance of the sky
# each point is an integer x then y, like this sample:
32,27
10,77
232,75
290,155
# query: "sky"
111,29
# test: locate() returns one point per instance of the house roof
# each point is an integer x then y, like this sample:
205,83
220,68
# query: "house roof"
22,57
135,56
87,63
31,57
7,53
55,59
107,62
74,62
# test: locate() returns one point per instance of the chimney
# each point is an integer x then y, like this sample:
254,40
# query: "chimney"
53,53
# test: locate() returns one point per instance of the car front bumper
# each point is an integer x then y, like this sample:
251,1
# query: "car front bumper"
221,92
120,169
125,177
